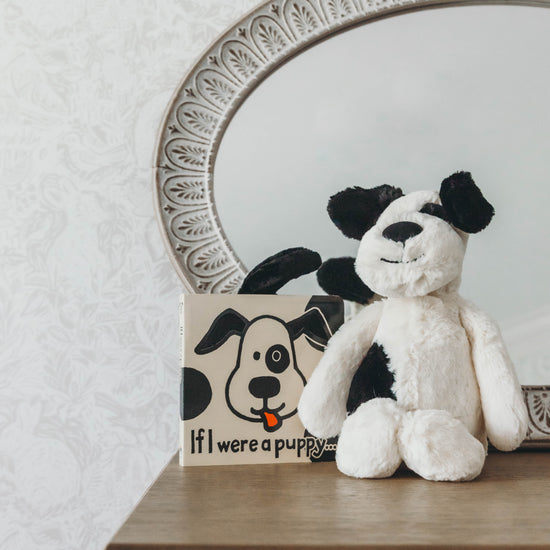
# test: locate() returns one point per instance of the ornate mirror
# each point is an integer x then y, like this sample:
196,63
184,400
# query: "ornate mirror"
265,127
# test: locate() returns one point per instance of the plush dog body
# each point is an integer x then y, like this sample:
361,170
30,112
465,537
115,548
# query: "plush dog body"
421,376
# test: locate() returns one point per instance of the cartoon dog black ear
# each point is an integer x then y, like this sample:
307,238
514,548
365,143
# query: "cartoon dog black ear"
338,276
466,207
227,323
277,270
355,210
313,324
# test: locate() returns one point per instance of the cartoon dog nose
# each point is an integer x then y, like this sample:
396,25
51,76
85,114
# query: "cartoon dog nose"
401,231
264,386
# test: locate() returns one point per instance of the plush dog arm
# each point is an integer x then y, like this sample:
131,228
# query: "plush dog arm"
501,397
322,407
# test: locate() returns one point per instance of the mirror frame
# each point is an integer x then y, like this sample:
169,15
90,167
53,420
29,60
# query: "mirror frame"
204,104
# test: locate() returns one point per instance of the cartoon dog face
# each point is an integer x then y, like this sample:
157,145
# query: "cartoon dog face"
415,244
266,366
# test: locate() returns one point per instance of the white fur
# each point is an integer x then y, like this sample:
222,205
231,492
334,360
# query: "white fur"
438,447
368,443
429,260
322,407
430,357
504,409
454,381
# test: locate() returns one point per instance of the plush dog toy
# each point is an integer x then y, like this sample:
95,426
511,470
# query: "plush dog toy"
422,375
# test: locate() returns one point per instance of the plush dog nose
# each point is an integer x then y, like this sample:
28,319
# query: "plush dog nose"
401,231
264,387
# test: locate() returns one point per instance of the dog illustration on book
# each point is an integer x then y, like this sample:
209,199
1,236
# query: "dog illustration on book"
266,370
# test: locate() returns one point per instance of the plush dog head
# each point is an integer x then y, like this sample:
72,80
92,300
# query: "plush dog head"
413,244
266,364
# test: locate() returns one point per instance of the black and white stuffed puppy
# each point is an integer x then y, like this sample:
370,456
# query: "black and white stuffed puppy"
421,376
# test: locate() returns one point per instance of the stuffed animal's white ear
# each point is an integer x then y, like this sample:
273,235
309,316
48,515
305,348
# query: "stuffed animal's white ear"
464,204
355,210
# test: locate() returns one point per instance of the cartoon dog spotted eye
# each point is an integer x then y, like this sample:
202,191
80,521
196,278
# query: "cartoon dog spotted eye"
266,371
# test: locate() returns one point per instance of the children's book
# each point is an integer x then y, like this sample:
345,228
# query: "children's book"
245,360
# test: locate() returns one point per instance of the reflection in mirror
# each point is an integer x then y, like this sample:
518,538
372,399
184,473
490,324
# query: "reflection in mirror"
407,101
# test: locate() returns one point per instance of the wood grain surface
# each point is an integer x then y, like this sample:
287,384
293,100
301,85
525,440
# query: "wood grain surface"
313,506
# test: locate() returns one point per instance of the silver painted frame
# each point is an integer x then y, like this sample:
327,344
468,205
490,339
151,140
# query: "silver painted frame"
204,104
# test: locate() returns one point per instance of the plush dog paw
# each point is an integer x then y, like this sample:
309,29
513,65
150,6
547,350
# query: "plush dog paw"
368,445
438,447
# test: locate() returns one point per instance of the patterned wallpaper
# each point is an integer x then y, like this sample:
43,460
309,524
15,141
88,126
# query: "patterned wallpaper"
88,299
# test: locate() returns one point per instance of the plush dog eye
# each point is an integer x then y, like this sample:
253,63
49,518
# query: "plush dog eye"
435,210
277,358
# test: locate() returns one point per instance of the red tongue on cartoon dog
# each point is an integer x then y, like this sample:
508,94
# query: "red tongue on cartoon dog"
271,421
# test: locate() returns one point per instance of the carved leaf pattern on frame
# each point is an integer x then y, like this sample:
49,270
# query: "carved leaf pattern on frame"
185,154
185,190
193,226
538,404
240,60
303,19
231,285
269,36
208,260
211,259
197,119
339,9
215,87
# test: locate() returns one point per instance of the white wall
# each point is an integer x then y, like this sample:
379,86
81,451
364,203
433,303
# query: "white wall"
88,299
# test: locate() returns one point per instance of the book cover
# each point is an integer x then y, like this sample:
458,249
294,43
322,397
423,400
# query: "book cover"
245,360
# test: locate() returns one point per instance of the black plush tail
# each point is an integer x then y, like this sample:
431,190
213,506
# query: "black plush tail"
277,270
337,276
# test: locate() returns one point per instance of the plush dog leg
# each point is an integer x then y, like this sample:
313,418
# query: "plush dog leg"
368,446
438,447
322,407
504,410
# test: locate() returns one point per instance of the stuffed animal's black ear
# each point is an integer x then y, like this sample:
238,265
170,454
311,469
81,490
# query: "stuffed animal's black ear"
467,208
338,276
355,210
277,270
313,324
227,323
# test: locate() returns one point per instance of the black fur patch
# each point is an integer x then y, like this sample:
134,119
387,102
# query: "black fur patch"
277,270
467,208
355,210
337,276
436,210
372,379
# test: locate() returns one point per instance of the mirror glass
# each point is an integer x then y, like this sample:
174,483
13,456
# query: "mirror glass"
407,101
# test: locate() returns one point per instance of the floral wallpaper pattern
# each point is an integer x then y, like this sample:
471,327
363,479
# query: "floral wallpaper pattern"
88,299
